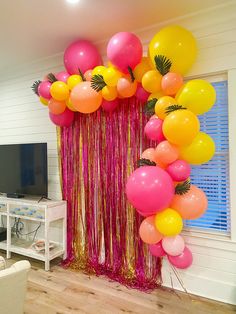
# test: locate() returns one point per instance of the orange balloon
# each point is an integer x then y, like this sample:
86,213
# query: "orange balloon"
88,75
125,87
148,232
149,153
190,205
162,104
84,98
56,107
166,153
171,83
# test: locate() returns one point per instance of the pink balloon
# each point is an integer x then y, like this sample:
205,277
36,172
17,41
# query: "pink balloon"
173,245
141,94
64,119
179,170
124,50
149,189
110,106
62,76
182,261
44,89
157,249
153,130
82,55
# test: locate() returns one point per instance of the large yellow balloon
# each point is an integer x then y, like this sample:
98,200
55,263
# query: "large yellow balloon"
98,70
111,76
59,91
177,44
109,93
197,95
180,127
169,222
142,68
73,80
151,81
200,151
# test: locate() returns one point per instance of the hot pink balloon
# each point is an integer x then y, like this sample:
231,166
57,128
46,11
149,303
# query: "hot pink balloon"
82,55
64,119
153,130
124,50
141,94
182,261
44,89
173,245
179,170
62,76
110,106
149,189
157,249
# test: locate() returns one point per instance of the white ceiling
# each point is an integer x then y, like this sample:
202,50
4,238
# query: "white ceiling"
31,29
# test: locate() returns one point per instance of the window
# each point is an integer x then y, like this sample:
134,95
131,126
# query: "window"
213,177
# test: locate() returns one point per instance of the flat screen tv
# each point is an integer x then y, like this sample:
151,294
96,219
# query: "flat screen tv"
23,169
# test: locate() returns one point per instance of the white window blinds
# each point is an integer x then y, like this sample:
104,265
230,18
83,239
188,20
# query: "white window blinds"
213,177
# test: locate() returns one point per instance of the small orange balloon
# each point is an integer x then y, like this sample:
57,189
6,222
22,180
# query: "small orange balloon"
84,98
148,232
56,107
125,87
150,154
162,104
88,75
166,153
171,83
190,205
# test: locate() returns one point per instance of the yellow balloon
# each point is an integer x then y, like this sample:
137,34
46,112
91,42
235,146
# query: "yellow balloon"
151,81
73,80
197,95
111,76
200,151
177,44
43,101
162,104
142,68
69,105
109,93
156,95
59,91
98,70
168,222
180,127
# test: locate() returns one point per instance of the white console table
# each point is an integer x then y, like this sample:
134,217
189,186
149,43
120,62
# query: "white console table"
44,213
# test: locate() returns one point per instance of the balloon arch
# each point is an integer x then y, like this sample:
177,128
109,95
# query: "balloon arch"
160,188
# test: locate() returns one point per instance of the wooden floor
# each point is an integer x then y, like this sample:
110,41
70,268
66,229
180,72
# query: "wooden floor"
63,291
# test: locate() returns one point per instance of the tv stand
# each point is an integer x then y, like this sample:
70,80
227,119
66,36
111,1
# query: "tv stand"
15,195
44,215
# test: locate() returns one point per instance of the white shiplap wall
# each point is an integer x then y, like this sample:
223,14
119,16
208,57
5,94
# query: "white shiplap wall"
23,119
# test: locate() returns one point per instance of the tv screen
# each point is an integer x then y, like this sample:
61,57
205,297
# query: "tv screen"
23,169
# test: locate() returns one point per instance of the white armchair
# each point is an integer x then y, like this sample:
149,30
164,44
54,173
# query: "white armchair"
13,282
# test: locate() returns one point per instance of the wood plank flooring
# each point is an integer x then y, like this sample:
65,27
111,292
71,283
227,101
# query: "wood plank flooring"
64,291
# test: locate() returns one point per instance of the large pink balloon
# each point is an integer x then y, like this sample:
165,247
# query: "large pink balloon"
124,50
173,245
44,89
82,55
64,119
157,249
149,189
182,261
62,76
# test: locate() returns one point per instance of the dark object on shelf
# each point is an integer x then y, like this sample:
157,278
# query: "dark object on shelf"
3,234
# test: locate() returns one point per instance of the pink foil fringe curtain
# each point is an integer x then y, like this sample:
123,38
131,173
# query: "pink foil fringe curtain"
97,154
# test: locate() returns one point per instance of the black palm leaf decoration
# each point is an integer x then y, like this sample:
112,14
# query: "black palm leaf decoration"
97,82
182,188
82,75
51,77
172,108
149,108
131,73
145,162
35,86
163,64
